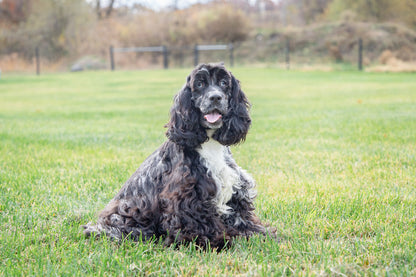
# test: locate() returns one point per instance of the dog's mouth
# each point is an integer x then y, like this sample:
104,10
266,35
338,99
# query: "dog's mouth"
213,117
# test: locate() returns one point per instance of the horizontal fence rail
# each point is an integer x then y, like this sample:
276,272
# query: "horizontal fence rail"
211,47
140,49
164,50
154,49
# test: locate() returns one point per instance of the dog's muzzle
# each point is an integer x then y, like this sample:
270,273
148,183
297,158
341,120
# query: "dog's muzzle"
213,108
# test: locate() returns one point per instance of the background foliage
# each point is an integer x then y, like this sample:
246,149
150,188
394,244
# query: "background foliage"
69,30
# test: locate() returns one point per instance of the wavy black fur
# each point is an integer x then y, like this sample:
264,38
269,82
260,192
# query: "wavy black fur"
174,193
237,121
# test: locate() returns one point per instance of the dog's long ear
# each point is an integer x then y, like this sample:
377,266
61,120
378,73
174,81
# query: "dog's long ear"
184,127
237,121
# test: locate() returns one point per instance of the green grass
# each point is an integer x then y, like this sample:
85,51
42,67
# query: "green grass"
334,156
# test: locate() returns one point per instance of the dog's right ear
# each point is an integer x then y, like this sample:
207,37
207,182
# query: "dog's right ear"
184,127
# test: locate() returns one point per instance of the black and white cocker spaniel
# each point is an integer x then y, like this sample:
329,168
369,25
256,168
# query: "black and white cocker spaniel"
191,189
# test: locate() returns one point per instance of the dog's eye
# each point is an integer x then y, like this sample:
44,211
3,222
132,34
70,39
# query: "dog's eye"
223,83
200,84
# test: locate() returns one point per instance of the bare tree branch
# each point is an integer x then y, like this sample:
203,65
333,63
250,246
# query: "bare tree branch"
98,8
110,8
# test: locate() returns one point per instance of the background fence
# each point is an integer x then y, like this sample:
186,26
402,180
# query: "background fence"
282,53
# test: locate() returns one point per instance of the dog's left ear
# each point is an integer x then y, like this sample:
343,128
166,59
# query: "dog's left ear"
237,121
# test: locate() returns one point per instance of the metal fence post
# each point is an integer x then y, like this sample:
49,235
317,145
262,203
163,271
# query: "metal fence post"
231,47
37,60
360,54
287,53
165,57
112,58
196,55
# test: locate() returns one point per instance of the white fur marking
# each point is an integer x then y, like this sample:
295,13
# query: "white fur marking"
213,156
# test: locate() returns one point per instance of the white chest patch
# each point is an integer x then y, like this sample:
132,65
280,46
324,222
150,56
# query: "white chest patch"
213,156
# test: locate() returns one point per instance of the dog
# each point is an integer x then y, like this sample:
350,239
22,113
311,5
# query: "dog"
191,189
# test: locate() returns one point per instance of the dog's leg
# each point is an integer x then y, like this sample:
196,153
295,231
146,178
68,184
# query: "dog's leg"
106,224
187,219
135,217
243,218
204,234
99,229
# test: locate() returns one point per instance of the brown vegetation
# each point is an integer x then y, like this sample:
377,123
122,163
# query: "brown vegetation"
319,31
339,40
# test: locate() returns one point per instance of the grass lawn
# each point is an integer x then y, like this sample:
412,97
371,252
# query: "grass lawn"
334,156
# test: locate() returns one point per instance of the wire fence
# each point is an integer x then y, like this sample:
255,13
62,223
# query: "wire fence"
282,52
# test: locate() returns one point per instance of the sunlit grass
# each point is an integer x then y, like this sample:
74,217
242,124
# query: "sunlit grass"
334,156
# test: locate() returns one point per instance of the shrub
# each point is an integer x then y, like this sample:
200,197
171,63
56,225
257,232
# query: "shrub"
55,26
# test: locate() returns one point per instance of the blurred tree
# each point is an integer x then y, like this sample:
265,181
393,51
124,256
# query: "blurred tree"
313,10
301,12
56,26
406,11
14,10
101,11
220,23
376,10
184,27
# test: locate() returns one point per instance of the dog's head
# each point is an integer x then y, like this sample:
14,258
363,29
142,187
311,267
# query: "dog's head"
210,87
211,99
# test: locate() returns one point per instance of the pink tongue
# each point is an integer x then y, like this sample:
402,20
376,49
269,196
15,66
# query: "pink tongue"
212,117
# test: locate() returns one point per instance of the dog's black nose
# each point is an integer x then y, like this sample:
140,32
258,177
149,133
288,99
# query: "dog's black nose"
215,97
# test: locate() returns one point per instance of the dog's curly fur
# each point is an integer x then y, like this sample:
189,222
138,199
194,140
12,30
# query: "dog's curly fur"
191,189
